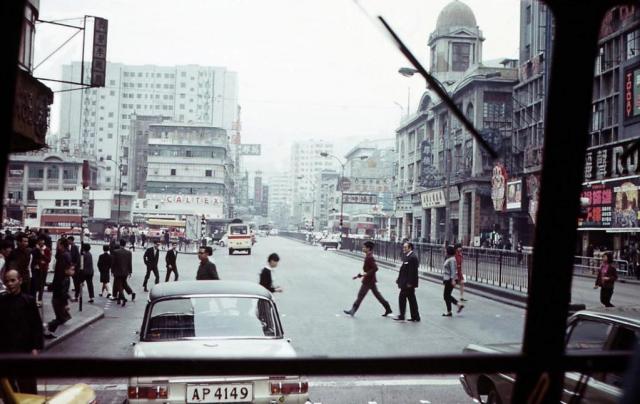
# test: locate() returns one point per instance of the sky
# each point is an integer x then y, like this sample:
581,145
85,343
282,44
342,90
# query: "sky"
306,69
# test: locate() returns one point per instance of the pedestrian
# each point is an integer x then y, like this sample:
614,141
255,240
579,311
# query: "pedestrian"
6,247
86,274
143,238
407,283
19,260
20,327
151,258
39,269
75,261
171,260
121,268
459,274
519,252
607,276
132,240
167,238
266,280
107,234
369,280
449,275
207,269
63,270
104,266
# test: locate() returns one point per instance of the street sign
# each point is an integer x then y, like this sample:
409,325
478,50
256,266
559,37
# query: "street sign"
99,61
361,199
345,184
249,149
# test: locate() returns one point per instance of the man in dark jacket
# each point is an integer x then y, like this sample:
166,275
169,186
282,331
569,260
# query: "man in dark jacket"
74,252
63,270
171,260
151,258
20,326
408,282
207,270
368,281
19,260
121,268
265,275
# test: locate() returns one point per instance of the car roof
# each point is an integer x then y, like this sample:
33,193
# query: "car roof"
620,314
181,288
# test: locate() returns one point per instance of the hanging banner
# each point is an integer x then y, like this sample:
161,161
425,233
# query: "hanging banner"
514,194
499,187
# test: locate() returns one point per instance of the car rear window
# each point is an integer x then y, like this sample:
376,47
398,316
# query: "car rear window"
211,317
587,334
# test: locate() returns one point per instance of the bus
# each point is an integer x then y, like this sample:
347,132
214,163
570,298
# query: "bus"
240,237
156,227
67,220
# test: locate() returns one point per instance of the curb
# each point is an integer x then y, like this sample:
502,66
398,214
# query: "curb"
72,331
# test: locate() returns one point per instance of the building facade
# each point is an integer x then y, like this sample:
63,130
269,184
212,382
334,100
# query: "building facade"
97,122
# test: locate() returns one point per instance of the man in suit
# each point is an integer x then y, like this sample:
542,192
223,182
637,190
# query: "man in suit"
408,282
74,251
121,268
207,270
151,257
171,258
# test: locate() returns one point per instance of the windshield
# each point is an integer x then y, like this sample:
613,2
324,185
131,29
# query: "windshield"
210,317
238,230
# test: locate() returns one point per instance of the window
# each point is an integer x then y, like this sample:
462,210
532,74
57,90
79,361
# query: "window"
173,171
208,173
460,56
587,334
36,172
633,44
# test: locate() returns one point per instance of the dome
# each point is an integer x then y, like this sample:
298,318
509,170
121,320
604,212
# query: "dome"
456,14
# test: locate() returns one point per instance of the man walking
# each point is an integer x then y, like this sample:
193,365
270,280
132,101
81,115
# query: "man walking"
207,270
121,268
171,260
407,283
369,281
151,257
39,269
20,326
74,252
266,281
63,270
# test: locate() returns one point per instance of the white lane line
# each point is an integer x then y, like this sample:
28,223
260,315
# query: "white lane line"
378,383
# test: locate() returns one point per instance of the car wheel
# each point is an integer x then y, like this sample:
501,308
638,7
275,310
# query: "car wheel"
230,251
492,397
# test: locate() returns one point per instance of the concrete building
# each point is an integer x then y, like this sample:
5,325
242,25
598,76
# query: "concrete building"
29,173
97,122
327,198
433,150
139,150
306,164
280,198
189,159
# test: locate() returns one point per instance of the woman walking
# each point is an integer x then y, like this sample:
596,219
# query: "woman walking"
459,274
607,276
104,266
449,281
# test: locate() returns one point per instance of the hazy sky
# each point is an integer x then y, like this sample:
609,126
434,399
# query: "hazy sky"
307,69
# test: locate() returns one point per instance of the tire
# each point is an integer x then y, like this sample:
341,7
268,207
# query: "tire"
230,251
492,397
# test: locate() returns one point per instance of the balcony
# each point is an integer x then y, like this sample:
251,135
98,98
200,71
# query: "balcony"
533,157
181,160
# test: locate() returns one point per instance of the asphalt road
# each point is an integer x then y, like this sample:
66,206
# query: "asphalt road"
317,287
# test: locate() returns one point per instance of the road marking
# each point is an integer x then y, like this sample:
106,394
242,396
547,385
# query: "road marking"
425,402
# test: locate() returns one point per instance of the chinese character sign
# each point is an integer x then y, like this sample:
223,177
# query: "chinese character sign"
361,199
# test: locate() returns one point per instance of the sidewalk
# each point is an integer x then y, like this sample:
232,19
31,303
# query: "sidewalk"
79,319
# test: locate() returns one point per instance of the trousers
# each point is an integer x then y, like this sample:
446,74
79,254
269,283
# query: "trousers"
364,289
448,299
155,273
408,294
175,274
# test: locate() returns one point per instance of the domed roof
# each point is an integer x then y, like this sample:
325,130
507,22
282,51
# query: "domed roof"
456,14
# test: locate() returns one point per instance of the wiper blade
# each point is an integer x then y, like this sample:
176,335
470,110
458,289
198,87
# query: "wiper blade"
435,86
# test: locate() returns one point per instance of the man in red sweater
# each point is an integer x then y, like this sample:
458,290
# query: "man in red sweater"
368,281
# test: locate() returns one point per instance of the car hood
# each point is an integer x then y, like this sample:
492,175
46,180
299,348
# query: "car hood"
509,347
215,348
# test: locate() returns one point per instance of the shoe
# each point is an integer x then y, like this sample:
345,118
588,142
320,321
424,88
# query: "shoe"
109,296
349,312
145,289
387,312
463,300
416,320
447,314
75,299
133,297
460,307
398,318
124,302
50,335
90,300
100,294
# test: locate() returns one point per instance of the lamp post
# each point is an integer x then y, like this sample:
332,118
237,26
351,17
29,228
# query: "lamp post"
325,154
446,134
119,168
313,201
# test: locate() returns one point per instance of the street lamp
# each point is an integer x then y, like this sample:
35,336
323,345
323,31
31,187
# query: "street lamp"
408,72
313,201
325,154
119,168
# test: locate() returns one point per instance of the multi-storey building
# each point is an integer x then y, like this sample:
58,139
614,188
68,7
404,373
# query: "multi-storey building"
98,121
31,172
327,198
306,164
190,160
280,191
138,151
443,176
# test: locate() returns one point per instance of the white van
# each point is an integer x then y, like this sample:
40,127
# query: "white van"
239,236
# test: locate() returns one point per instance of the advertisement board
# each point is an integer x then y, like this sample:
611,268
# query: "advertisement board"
631,91
361,184
361,199
433,199
249,149
210,206
612,205
514,194
604,162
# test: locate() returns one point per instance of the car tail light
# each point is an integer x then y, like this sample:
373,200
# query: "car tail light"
286,387
148,392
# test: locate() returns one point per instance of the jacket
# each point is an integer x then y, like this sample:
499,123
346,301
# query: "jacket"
75,256
171,258
408,274
20,324
370,268
608,271
104,262
450,270
121,262
265,279
19,260
87,259
207,271
151,257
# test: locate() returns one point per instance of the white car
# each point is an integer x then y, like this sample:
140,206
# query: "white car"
213,319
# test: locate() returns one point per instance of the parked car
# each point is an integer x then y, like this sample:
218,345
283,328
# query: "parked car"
606,329
224,241
213,319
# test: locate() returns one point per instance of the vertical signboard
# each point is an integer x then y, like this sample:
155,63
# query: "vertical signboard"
631,91
99,60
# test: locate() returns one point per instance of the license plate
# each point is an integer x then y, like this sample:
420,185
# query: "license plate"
220,393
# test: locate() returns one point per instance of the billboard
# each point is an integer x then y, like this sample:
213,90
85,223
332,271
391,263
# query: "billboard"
613,204
361,199
514,194
361,184
631,91
249,149
99,61
210,206
604,162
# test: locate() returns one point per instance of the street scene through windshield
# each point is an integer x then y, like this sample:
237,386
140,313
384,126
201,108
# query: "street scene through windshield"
285,179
